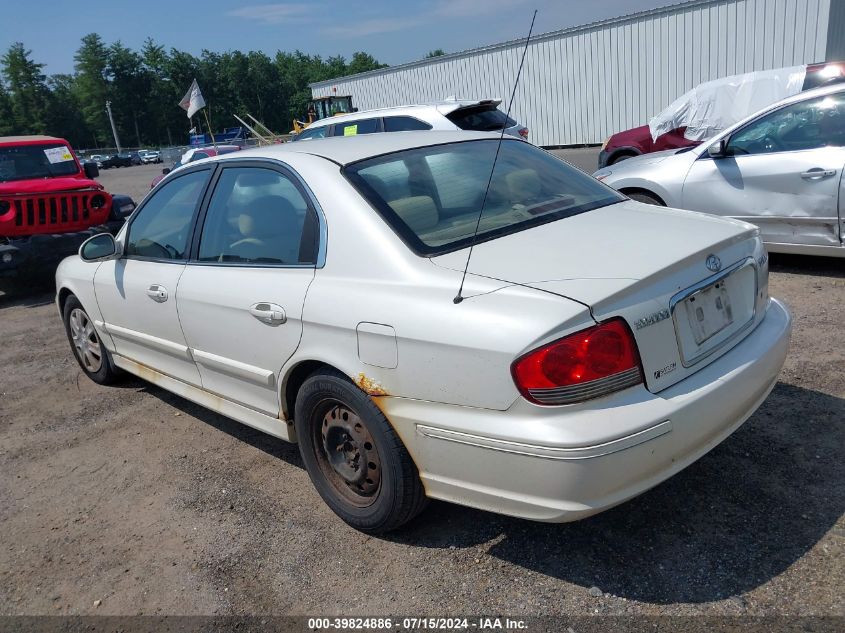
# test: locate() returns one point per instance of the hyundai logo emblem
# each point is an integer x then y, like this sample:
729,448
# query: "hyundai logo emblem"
713,263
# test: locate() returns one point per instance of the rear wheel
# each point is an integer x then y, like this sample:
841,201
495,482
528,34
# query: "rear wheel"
642,196
90,353
354,458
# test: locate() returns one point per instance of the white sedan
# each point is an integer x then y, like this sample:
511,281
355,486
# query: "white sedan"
310,290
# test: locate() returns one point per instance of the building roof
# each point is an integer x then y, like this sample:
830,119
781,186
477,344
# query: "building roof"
517,42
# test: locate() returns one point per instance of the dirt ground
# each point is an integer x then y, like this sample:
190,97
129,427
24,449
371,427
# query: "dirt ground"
127,500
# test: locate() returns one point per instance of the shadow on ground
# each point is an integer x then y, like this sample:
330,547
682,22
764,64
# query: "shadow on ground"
807,265
732,521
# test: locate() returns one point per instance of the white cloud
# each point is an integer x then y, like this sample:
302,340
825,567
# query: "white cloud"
375,26
474,8
273,13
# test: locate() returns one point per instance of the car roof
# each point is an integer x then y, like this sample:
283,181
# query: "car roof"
344,150
441,107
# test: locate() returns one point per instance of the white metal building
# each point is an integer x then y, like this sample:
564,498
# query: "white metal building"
581,84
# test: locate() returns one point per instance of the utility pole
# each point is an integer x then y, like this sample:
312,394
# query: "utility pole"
113,128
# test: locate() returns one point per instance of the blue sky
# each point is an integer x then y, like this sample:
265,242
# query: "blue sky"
394,32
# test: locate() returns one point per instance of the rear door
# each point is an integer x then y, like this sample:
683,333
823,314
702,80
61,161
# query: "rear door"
783,173
241,296
137,293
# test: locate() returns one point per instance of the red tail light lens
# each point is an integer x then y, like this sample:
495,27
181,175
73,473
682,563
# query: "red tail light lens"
523,132
585,365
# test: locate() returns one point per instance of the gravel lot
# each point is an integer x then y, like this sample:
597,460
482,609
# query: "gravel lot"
128,499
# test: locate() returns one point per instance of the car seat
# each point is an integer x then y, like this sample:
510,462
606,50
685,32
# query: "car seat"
270,232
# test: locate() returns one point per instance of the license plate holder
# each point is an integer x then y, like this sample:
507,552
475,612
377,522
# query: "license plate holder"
708,311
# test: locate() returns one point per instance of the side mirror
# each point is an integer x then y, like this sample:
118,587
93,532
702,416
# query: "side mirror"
99,248
165,171
719,149
91,170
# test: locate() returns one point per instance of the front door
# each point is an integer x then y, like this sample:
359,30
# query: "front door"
137,293
783,172
241,296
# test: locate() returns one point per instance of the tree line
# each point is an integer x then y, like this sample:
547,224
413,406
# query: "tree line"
145,86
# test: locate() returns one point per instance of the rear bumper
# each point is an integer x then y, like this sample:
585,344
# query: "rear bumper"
565,463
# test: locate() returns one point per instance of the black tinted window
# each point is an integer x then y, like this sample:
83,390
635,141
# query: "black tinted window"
162,226
353,128
480,118
258,216
316,132
404,124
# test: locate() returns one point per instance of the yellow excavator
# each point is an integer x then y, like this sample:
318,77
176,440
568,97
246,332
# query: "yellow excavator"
322,107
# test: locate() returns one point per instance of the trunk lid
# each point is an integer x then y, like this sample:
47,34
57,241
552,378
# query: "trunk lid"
640,262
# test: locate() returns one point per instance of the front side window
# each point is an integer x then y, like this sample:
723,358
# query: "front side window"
258,216
403,124
811,124
431,196
163,225
354,128
23,162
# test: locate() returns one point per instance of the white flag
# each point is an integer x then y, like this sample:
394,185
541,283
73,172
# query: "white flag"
192,101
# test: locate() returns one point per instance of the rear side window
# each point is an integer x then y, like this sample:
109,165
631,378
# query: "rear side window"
354,128
198,156
404,124
480,118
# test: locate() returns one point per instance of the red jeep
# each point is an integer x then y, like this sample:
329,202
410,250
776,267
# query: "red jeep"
639,140
49,205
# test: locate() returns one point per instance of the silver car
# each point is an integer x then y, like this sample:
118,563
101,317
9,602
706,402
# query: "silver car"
780,169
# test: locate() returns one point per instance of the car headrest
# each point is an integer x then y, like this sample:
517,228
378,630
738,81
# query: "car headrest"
418,212
267,216
524,184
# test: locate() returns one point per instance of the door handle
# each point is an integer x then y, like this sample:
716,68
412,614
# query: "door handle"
268,313
157,293
817,173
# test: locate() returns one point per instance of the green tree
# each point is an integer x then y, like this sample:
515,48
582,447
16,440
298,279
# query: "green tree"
7,124
437,52
64,115
28,93
92,86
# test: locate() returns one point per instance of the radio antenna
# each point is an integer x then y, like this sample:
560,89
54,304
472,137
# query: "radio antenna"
458,297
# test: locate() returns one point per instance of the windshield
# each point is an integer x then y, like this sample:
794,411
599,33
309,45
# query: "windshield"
431,196
36,161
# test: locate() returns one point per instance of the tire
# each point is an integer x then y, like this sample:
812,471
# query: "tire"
385,493
93,357
647,198
620,158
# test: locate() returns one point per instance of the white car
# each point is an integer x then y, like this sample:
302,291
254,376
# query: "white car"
451,114
310,290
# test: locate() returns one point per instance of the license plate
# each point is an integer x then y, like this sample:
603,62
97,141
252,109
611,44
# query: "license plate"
709,311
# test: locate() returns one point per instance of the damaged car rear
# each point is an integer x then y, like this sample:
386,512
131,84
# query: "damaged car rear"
597,347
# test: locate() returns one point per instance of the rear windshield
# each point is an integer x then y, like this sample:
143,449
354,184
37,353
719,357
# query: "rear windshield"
432,196
36,161
480,118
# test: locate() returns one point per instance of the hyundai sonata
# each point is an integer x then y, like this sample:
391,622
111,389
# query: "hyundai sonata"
311,290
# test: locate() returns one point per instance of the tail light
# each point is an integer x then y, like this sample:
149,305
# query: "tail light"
523,132
585,365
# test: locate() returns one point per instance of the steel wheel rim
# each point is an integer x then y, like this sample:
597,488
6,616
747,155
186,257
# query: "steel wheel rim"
347,454
86,343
